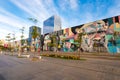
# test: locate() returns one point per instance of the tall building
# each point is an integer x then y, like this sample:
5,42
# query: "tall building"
30,31
52,24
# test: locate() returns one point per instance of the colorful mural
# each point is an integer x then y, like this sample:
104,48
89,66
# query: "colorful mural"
100,36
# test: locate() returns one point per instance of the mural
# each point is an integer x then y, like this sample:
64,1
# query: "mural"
100,36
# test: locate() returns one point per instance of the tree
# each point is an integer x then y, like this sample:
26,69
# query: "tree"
35,34
13,41
22,36
54,42
13,38
35,21
79,39
41,41
8,39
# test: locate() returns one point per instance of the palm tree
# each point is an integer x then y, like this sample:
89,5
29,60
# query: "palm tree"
35,35
35,21
22,36
13,39
8,38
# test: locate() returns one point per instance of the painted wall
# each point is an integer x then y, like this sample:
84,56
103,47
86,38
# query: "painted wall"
102,35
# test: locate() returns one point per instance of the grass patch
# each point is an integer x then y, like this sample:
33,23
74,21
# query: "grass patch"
34,59
68,57
20,57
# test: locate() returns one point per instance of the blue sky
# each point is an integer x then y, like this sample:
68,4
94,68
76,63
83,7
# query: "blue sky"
14,14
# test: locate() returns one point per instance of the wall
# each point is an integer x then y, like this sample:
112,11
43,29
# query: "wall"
100,36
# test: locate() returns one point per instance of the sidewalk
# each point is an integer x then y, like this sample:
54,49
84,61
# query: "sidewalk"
83,55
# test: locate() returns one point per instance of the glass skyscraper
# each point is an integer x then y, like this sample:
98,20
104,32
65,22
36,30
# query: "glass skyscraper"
51,24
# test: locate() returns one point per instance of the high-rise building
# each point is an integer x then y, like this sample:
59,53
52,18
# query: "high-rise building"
52,24
31,30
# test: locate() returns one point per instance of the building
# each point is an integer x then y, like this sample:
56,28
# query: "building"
2,42
52,24
99,36
30,35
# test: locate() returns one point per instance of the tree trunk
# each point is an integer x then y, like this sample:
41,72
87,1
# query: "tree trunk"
79,51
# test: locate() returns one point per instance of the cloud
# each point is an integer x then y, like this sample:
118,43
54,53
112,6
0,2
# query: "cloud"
72,12
10,23
39,9
114,10
4,32
68,4
73,4
11,19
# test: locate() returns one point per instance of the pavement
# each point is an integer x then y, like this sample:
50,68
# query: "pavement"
13,68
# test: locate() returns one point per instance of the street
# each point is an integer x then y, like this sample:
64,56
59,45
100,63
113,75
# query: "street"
13,68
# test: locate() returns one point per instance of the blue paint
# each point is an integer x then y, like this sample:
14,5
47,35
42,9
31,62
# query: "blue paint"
111,48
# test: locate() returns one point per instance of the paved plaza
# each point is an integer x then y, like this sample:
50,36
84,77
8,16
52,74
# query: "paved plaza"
13,68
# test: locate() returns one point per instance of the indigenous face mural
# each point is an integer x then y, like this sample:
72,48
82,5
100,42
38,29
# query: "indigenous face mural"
100,36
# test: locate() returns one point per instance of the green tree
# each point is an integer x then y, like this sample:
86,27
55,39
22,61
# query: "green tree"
35,35
22,38
13,41
79,40
8,39
35,21
54,42
22,35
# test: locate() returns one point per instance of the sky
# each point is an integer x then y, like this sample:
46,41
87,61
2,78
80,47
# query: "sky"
14,14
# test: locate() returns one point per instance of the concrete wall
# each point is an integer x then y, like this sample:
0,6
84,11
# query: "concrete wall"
102,35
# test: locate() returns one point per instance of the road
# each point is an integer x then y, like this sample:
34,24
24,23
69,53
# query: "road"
13,68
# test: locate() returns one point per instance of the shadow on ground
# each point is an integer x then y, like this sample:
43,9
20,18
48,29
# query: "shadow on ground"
2,77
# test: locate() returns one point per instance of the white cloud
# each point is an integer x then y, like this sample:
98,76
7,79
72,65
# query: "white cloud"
74,4
13,21
68,4
37,8
43,9
114,10
4,33
63,4
10,23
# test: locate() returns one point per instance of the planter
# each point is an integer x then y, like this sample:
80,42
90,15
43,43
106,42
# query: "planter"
39,57
24,56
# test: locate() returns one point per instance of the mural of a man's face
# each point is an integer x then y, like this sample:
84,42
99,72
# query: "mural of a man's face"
47,37
78,30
